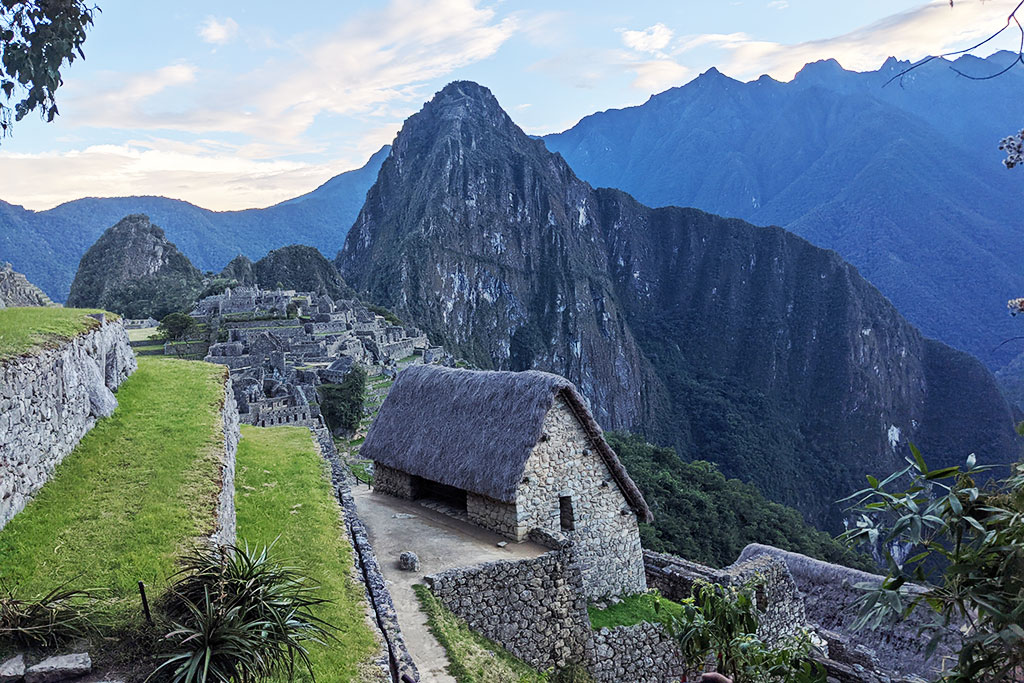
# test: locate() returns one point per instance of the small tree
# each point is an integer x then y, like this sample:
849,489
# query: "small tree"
176,326
968,562
342,404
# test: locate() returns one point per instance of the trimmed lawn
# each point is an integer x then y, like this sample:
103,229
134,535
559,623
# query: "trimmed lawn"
634,609
24,330
283,495
471,656
136,491
141,334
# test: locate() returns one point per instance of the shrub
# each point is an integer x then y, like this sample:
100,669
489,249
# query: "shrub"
240,615
342,404
967,547
61,615
720,623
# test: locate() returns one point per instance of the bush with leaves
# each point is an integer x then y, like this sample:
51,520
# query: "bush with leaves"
176,326
719,623
342,404
61,615
239,615
967,563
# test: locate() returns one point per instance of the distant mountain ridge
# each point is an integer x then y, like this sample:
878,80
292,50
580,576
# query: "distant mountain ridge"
47,245
742,345
904,181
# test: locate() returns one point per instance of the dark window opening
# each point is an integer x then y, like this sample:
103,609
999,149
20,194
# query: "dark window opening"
433,490
566,513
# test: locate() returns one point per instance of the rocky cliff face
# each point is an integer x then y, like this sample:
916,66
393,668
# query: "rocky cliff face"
16,290
742,345
134,270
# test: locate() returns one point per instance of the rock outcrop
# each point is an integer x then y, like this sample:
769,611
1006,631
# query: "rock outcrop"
743,345
134,270
297,267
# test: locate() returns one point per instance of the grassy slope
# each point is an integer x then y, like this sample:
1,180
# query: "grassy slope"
23,330
633,610
283,492
471,656
135,492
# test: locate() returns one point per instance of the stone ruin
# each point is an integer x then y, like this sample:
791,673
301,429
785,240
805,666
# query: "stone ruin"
276,362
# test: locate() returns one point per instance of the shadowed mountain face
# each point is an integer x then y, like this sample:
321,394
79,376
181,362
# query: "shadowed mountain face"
742,345
904,181
47,245
296,266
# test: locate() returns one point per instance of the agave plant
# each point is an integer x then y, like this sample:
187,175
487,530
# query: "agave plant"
239,615
60,615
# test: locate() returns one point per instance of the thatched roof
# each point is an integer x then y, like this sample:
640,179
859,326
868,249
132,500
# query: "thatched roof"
474,430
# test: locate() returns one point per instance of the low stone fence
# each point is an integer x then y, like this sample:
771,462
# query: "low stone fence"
49,400
534,608
398,663
225,528
775,590
643,653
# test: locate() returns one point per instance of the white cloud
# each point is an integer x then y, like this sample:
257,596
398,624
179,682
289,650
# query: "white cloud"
926,30
218,32
217,179
652,39
778,4
655,75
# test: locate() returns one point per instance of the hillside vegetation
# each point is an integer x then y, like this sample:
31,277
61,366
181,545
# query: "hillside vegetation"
139,488
24,330
704,517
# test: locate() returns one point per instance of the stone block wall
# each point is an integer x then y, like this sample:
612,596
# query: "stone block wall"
392,482
643,653
534,608
494,515
224,531
49,400
604,529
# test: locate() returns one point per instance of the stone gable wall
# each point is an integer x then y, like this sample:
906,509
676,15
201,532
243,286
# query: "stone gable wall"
606,534
49,400
534,608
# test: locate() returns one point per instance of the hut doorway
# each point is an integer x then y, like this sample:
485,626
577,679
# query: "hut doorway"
425,489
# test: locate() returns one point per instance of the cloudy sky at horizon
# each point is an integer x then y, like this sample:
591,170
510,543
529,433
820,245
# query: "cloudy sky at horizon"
236,104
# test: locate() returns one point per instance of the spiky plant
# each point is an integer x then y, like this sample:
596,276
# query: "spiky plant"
61,615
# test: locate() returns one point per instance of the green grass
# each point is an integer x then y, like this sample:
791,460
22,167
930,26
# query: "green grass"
136,491
141,334
26,330
283,492
633,610
360,468
472,658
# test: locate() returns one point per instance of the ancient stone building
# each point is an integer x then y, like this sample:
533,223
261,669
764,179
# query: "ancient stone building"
517,452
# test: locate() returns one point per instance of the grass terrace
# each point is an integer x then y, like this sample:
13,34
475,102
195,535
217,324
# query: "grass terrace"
135,492
27,330
283,495
634,609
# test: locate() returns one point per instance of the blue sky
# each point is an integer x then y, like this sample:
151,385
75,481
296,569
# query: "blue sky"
233,104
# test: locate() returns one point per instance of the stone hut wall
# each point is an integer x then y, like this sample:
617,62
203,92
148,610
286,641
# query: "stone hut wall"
604,529
392,482
534,608
224,531
643,653
49,400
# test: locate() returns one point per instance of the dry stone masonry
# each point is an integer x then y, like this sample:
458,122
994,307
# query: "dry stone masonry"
49,400
225,526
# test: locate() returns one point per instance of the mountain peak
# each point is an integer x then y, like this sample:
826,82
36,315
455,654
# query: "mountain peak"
464,99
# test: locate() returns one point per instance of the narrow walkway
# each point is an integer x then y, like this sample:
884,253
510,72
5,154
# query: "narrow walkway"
440,542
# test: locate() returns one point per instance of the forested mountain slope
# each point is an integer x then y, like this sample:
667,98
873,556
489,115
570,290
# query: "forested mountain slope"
904,180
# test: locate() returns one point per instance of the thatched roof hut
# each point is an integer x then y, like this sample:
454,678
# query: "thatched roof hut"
475,430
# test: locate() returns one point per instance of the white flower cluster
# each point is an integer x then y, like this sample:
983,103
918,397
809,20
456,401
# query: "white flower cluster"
1014,148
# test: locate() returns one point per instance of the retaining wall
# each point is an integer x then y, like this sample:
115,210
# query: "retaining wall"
534,608
225,528
49,400
643,653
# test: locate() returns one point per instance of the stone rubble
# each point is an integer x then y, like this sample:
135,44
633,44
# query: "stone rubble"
59,668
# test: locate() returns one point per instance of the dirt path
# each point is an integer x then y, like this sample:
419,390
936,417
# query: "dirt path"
440,542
